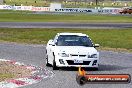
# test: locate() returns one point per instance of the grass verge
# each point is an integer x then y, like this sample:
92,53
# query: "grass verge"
25,16
5,76
11,71
110,38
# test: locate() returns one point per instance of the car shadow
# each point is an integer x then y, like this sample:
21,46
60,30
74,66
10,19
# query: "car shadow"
75,69
102,67
68,68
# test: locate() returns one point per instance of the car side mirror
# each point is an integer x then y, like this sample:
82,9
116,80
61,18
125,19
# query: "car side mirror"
50,42
96,45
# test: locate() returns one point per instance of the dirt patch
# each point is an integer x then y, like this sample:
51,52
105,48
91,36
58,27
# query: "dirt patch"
9,71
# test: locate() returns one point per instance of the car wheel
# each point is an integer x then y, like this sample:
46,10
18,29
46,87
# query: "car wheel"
47,62
54,65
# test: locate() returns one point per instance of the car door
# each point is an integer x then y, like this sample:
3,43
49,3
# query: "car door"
130,10
49,51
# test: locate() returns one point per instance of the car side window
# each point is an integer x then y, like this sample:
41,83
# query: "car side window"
55,39
60,40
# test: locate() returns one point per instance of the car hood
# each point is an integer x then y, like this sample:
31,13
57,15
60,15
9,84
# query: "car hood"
75,50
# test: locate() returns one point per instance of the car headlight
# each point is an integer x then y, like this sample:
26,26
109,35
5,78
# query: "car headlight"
92,56
63,54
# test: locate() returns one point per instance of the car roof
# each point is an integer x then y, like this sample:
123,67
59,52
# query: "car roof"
78,34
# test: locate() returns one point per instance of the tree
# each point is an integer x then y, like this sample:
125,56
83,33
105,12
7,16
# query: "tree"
96,2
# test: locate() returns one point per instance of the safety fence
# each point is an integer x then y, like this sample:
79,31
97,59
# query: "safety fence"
59,9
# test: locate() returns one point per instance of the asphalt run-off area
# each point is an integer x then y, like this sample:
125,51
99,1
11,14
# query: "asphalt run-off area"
110,63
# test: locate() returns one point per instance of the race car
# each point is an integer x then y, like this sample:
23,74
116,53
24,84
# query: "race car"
126,10
72,50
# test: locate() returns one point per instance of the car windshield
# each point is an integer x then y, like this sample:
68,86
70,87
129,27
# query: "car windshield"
73,40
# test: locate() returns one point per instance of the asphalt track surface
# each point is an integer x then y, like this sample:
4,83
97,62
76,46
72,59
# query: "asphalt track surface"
110,62
64,25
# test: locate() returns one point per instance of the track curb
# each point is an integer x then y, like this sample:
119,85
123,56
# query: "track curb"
38,74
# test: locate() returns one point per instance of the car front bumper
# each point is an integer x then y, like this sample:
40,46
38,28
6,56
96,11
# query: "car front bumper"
70,62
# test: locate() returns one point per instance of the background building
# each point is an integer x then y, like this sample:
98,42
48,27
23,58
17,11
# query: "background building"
71,3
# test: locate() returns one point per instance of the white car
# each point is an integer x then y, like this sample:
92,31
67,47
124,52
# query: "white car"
72,50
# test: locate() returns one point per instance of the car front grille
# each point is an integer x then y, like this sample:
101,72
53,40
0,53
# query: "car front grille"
71,62
76,55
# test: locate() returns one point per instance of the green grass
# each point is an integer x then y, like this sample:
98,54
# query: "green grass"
106,38
25,16
5,76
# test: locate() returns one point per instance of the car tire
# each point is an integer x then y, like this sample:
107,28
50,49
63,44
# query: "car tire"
47,62
54,64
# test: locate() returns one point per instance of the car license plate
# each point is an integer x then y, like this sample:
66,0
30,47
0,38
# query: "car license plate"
78,61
